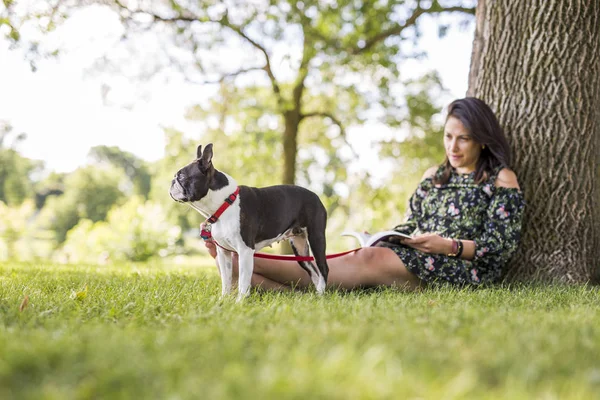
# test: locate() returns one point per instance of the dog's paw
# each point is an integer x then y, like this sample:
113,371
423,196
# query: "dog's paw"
240,298
242,295
321,286
226,290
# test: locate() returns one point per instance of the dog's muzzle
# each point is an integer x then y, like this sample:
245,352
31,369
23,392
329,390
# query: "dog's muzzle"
177,192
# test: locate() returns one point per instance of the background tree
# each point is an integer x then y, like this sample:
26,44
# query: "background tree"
14,228
50,185
537,64
135,231
90,192
293,62
134,167
16,183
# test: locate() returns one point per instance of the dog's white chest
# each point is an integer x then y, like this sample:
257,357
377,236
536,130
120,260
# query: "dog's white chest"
226,231
225,242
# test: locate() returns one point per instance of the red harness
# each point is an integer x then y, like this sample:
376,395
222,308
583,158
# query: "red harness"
207,236
205,231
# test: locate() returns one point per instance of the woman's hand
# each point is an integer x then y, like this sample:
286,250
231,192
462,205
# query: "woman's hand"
211,247
430,243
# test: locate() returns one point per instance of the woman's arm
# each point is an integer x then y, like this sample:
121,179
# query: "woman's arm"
435,244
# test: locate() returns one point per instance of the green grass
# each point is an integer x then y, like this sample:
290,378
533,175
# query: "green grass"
144,332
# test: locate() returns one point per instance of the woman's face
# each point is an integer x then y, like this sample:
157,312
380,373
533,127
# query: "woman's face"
462,151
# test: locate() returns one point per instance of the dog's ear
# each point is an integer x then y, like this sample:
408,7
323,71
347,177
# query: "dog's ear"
206,158
199,152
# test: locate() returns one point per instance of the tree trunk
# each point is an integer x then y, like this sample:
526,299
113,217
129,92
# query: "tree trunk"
290,146
537,63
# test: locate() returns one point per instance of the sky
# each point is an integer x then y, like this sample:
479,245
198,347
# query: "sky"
65,108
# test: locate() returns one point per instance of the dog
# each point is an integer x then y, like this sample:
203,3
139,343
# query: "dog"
252,219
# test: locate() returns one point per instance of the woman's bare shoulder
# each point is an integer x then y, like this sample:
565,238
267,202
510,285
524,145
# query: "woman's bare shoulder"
507,178
430,172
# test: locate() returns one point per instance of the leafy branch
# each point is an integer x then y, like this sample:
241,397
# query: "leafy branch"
188,17
333,119
435,8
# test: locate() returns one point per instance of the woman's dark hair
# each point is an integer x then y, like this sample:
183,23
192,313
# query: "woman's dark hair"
481,122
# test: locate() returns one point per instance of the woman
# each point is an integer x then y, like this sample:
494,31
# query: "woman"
465,218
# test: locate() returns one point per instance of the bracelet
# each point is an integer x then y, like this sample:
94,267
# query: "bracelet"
460,249
455,248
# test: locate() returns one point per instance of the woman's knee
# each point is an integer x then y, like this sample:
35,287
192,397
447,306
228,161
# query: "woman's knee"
372,256
381,265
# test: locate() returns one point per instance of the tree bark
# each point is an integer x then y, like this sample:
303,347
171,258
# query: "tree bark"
478,43
290,146
537,64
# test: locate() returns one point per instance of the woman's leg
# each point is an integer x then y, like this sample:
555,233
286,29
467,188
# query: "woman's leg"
256,281
368,267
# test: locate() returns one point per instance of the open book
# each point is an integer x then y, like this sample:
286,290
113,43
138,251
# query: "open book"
368,239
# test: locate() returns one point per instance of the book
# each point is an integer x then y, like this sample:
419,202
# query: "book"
368,239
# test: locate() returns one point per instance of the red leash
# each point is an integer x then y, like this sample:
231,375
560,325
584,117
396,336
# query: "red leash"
291,258
301,258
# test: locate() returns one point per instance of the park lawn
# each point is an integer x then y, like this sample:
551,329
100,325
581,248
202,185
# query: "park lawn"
157,332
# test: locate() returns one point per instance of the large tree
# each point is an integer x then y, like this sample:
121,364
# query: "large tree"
537,63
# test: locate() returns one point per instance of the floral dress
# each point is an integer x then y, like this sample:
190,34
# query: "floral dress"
462,209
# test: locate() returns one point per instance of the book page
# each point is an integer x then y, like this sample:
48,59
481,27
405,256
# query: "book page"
368,240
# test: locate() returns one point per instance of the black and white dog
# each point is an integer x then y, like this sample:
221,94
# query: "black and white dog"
252,219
